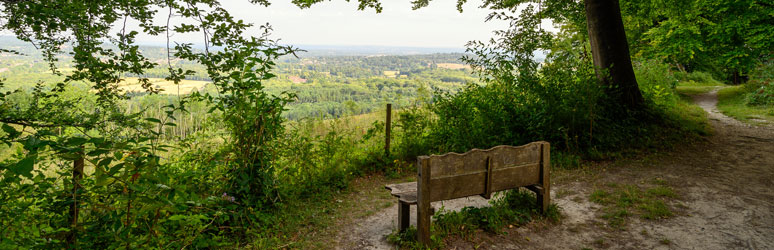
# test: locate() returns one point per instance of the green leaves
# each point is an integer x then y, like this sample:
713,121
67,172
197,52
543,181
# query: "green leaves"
722,37
11,134
24,167
153,120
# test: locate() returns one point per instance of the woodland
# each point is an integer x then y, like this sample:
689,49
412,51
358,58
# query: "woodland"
272,133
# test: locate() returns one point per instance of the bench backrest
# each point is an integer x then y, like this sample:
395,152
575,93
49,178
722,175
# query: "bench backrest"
482,172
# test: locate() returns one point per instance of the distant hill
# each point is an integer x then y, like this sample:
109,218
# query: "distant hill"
360,50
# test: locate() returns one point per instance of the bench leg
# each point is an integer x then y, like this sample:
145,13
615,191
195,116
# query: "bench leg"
403,216
543,198
542,202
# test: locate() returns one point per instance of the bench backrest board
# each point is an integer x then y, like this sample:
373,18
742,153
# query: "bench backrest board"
481,172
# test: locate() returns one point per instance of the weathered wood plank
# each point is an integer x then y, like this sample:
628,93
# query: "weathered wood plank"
463,185
448,188
488,187
408,198
401,188
403,216
423,200
545,177
387,129
475,160
515,176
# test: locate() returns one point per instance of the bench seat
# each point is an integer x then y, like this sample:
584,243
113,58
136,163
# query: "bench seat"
406,192
407,196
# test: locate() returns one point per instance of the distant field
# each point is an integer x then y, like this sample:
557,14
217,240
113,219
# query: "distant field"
391,73
168,87
453,66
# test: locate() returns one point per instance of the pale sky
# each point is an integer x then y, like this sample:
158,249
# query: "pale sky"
339,22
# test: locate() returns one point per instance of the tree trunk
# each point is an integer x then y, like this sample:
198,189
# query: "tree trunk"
611,52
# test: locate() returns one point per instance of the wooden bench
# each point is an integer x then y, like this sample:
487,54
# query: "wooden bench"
476,172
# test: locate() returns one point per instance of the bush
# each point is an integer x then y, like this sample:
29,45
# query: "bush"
697,78
760,88
412,127
558,105
312,163
562,104
657,83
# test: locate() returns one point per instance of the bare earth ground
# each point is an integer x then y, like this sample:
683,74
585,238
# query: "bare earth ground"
726,200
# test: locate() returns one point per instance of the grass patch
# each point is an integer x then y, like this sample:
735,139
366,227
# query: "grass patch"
695,87
690,118
661,191
731,101
407,239
695,83
313,223
513,208
691,83
622,201
694,90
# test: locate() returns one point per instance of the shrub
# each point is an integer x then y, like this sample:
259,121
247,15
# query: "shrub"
656,82
561,104
698,78
413,126
760,88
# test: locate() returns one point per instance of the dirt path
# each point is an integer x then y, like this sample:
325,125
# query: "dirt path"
726,200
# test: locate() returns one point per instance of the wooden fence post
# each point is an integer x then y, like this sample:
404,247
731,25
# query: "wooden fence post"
77,176
387,128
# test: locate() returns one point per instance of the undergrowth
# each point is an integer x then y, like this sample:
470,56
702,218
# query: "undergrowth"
752,102
732,102
760,88
508,209
697,78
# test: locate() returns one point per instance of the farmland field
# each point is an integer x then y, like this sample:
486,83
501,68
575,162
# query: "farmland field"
453,66
131,84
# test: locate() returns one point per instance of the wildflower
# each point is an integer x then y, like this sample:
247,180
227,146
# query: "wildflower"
227,197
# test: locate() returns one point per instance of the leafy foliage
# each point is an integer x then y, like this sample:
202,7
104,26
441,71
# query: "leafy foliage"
129,196
727,38
761,86
510,208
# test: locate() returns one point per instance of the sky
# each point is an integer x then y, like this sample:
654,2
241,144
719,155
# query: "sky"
338,22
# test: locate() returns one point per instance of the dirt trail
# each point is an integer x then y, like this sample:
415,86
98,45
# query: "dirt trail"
726,189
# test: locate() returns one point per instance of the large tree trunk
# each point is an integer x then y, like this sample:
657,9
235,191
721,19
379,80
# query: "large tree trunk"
611,52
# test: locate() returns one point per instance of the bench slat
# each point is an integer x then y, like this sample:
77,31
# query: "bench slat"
463,185
473,161
408,198
402,188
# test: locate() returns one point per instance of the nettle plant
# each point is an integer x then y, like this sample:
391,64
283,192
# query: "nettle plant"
125,195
